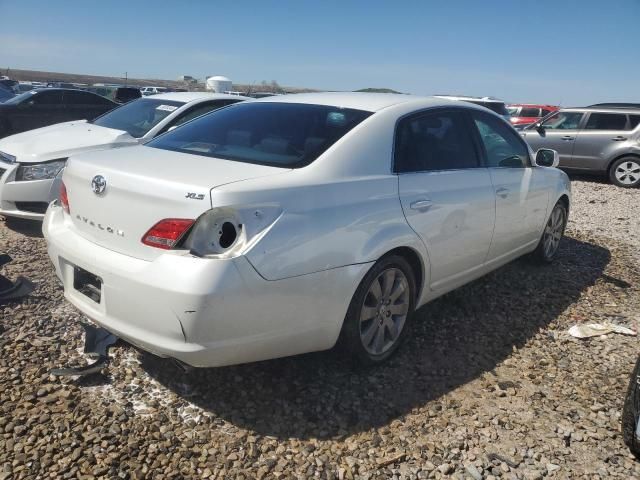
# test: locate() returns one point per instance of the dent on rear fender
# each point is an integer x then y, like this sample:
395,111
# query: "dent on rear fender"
332,237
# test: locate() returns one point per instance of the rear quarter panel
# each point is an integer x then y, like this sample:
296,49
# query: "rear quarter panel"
326,225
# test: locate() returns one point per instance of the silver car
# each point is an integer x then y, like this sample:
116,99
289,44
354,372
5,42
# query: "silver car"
597,139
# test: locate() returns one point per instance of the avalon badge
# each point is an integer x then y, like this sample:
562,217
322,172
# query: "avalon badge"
98,184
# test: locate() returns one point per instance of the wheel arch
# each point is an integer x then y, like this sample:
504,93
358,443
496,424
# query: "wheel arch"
618,157
416,263
564,198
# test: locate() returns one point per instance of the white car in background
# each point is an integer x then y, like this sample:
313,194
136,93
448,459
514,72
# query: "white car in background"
31,162
494,104
146,91
272,227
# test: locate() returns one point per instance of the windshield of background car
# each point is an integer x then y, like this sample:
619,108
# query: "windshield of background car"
139,116
5,95
498,107
19,98
288,135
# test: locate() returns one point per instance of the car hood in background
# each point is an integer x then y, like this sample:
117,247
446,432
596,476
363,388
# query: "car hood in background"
62,140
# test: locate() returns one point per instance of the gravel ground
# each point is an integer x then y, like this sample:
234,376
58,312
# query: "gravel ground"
489,386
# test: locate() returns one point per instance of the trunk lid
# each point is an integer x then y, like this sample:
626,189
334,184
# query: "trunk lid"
143,186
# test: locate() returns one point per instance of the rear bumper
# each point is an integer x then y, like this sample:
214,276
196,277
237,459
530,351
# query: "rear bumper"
18,198
204,312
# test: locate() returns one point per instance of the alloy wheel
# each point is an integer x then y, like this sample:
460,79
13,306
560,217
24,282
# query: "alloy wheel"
628,172
553,232
384,311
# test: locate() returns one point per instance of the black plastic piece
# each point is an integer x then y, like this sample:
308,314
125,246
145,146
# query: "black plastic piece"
97,342
13,290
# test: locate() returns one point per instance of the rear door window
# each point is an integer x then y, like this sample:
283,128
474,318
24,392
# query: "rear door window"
606,121
634,120
503,147
434,141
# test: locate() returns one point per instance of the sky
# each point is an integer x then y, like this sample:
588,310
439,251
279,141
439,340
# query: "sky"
537,51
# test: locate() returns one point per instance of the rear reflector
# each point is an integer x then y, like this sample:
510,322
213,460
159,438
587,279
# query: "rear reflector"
167,232
64,198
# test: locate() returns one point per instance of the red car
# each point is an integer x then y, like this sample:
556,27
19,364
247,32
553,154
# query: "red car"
523,114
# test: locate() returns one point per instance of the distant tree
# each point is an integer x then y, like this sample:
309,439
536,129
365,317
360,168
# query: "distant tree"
377,90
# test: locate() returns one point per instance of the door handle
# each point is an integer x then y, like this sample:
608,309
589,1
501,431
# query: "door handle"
421,204
619,138
566,138
502,192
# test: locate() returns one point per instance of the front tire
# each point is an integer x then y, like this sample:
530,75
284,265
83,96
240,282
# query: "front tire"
625,172
631,411
379,316
547,249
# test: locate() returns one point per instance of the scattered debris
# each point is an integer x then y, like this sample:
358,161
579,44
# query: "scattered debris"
596,329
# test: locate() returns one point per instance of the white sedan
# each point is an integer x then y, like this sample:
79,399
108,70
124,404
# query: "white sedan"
31,162
274,227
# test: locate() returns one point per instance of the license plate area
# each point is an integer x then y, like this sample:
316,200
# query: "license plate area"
87,284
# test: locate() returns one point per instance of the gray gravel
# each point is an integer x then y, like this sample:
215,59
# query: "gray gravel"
489,386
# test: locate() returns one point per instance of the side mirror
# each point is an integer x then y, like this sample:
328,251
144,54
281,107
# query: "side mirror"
545,157
539,128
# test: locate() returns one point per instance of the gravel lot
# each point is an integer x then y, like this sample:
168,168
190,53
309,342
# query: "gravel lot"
489,386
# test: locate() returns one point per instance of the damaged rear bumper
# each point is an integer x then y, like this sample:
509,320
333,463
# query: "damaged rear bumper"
203,312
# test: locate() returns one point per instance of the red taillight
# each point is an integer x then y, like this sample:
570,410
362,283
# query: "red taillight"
64,198
166,233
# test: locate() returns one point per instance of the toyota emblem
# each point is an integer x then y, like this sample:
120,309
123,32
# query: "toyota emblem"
98,184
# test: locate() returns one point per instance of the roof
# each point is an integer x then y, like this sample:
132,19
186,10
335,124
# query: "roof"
192,96
622,110
470,98
371,102
532,105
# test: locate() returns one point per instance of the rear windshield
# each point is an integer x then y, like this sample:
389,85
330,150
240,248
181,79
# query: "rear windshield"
288,135
139,116
498,107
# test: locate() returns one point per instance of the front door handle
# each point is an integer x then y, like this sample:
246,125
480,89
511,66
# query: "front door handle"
502,192
619,138
422,204
566,138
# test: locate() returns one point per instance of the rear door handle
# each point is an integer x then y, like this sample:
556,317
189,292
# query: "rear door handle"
502,192
422,204
566,138
619,138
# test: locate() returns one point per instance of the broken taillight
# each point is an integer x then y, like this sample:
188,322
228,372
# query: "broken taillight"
167,232
64,198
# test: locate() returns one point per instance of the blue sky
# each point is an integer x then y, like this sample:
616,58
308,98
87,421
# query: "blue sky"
548,51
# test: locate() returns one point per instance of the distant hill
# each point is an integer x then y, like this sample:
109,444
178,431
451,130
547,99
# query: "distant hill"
377,90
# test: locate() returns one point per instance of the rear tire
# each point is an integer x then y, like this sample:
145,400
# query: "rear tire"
549,244
631,411
379,316
625,172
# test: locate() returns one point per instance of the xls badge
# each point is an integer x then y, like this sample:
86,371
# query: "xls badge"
98,184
